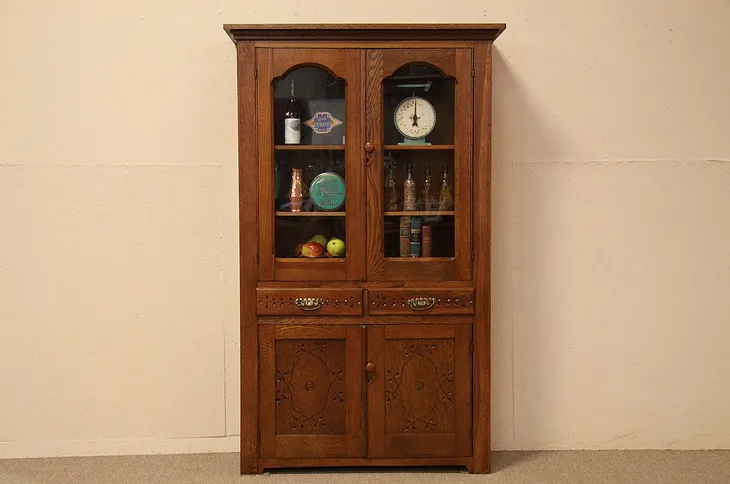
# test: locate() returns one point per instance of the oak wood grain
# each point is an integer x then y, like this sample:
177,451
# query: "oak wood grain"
333,61
367,431
342,462
455,63
367,320
267,361
283,302
482,256
463,164
442,59
347,65
376,393
364,32
352,284
419,147
322,269
444,301
365,44
248,234
374,135
265,182
418,405
311,391
311,214
356,222
309,147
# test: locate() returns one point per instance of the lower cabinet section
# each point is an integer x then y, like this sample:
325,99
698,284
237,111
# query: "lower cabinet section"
419,397
311,391
381,391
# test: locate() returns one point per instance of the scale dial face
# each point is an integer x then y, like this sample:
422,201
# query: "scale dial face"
415,117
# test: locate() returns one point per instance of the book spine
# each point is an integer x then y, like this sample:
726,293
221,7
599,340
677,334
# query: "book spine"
426,241
416,223
405,236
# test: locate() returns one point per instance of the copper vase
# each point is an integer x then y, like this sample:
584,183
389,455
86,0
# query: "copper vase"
295,194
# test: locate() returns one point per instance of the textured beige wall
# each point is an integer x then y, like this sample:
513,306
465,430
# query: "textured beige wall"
118,251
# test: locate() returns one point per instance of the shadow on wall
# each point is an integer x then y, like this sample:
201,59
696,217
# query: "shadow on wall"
520,134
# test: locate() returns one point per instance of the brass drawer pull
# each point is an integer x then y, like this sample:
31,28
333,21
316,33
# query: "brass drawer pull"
421,303
309,303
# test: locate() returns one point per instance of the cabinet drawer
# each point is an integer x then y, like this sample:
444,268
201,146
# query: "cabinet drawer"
421,301
308,301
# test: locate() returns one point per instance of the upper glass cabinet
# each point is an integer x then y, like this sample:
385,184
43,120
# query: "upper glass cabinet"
419,163
309,165
306,153
420,108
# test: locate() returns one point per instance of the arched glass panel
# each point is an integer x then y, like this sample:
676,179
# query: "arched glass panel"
418,134
309,164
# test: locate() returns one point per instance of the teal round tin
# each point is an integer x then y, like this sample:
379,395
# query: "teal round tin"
327,191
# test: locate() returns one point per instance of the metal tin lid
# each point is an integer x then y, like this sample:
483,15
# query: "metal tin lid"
327,191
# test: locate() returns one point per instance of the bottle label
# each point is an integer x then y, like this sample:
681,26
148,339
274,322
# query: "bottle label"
292,131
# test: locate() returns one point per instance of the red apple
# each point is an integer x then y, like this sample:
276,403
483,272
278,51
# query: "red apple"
312,250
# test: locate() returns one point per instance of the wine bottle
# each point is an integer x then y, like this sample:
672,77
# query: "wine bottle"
446,198
409,191
391,192
427,189
292,121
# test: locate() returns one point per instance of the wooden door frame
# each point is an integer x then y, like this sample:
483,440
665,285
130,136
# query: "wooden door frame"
460,440
456,64
351,444
346,64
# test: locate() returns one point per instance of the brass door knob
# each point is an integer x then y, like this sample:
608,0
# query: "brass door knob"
370,367
369,147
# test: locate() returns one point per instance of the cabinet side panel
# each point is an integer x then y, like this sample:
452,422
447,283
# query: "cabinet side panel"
482,246
248,237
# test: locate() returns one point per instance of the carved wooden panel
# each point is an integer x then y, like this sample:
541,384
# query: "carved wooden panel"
419,388
309,302
311,391
421,301
419,396
310,386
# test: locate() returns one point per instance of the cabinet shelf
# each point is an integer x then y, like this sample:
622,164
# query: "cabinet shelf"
419,147
309,147
417,213
420,259
310,214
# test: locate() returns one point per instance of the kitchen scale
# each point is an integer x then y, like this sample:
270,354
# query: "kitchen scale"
415,118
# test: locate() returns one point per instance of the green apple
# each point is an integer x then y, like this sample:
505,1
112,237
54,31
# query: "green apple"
320,239
336,247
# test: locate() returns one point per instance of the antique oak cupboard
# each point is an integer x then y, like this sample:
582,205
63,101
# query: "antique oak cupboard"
370,357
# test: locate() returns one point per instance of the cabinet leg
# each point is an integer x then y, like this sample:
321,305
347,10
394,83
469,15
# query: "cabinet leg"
478,466
250,466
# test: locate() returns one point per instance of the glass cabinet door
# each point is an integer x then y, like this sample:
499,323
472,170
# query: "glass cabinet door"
419,112
311,218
